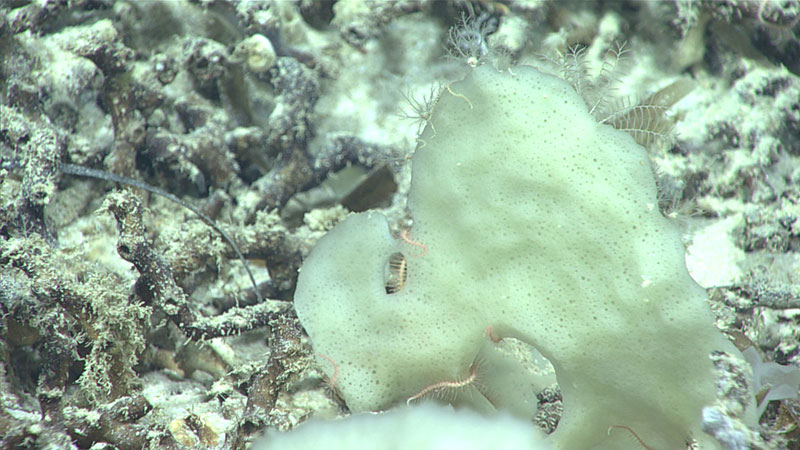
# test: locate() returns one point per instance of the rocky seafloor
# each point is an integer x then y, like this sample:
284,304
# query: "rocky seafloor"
129,322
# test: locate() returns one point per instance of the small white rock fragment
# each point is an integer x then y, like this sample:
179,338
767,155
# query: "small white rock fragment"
256,52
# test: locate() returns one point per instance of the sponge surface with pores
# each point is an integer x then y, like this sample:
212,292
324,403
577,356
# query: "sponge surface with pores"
543,224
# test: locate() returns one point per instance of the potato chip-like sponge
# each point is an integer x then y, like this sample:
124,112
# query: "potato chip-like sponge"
542,224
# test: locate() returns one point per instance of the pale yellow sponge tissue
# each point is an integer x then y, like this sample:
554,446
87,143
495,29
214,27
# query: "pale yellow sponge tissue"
538,222
426,427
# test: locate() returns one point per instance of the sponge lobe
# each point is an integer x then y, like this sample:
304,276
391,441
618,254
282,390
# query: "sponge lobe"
541,223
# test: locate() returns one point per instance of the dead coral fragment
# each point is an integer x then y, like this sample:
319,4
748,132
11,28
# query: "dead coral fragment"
99,174
157,287
96,311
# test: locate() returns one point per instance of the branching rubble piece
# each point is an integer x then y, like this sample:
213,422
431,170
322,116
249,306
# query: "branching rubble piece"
157,287
290,130
274,244
91,309
33,15
341,150
776,15
128,126
758,291
101,43
20,422
288,358
201,156
359,21
268,289
58,353
41,148
297,169
764,295
238,320
35,258
114,423
344,149
59,349
87,172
